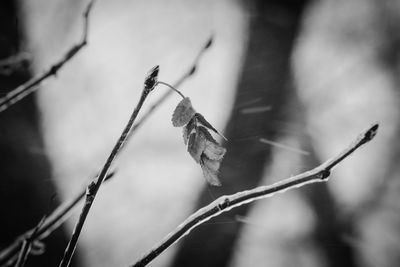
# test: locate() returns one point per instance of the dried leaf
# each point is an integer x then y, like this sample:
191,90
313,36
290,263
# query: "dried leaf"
214,151
210,170
203,121
187,130
206,134
196,145
185,135
183,113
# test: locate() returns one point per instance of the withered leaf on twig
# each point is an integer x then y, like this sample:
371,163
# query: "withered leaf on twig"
201,145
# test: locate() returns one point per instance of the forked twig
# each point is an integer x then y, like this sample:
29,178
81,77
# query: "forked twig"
93,188
10,254
228,202
27,245
32,85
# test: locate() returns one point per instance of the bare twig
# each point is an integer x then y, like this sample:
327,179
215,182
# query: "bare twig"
172,88
9,254
27,245
192,69
32,85
93,188
226,203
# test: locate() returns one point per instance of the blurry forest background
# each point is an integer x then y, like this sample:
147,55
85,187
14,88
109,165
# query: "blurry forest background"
309,75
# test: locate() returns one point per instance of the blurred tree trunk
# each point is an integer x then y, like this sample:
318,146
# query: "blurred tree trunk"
346,66
26,186
330,230
265,82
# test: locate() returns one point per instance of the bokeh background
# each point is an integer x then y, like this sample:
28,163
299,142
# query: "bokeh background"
308,75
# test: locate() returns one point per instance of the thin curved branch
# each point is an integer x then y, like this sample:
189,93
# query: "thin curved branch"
191,70
32,85
228,202
10,254
27,245
93,188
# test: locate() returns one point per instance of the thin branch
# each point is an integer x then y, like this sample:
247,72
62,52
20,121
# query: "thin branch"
228,202
9,254
32,85
27,245
172,88
192,69
93,188
23,254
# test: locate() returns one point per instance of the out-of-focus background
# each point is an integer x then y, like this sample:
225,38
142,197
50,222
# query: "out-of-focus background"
289,83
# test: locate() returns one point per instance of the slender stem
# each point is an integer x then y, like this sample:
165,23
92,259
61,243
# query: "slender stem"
171,87
9,254
94,187
26,246
32,85
228,202
23,254
191,70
